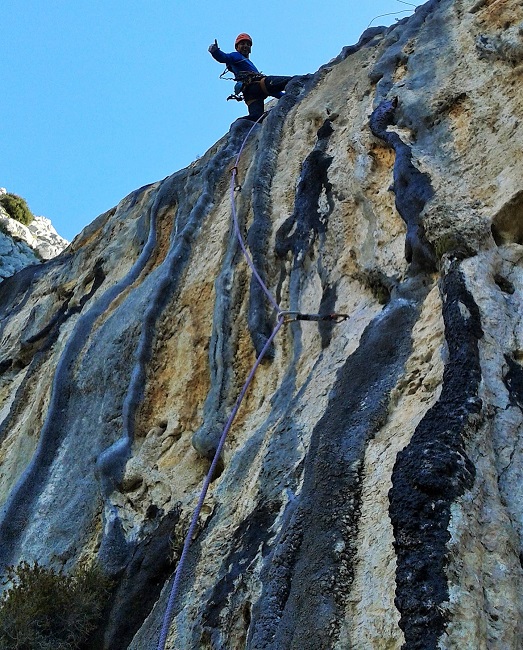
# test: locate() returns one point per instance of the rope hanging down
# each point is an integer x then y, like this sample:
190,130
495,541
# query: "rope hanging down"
282,318
192,528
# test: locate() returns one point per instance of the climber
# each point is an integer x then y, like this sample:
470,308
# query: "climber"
251,85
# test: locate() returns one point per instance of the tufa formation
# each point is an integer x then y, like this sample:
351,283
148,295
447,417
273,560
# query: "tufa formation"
370,493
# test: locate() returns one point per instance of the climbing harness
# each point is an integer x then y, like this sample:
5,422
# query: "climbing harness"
282,318
242,80
245,76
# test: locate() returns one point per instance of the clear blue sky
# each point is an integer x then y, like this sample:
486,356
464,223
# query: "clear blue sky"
98,98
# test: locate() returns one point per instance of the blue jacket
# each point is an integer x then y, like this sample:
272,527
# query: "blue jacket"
235,61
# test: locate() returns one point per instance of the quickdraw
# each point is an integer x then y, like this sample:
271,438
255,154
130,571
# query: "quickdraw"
237,185
235,96
291,316
227,71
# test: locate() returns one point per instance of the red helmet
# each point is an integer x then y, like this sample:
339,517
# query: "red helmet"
242,37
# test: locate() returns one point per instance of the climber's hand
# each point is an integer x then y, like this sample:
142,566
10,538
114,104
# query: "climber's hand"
213,47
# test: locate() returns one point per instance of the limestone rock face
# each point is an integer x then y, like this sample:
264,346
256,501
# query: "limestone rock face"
370,492
21,245
49,243
14,254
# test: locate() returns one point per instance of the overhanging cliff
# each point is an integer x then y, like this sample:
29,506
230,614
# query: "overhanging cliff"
369,494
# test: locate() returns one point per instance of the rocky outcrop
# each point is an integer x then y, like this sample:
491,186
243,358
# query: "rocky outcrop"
15,255
369,494
49,243
21,245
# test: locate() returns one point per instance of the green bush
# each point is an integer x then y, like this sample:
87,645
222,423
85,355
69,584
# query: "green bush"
44,609
17,208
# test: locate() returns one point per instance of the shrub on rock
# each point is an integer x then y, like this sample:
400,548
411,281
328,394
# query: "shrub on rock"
49,610
17,208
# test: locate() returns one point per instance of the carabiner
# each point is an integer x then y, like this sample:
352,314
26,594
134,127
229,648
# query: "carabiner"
288,316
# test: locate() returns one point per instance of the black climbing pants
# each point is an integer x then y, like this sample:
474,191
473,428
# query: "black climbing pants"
257,92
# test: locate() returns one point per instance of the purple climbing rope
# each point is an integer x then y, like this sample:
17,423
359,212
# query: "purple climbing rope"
282,318
166,624
248,258
174,589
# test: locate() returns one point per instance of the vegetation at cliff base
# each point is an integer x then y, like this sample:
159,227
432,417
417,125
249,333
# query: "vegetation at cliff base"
17,208
46,609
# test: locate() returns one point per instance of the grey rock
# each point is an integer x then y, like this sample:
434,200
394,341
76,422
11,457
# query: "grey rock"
369,491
